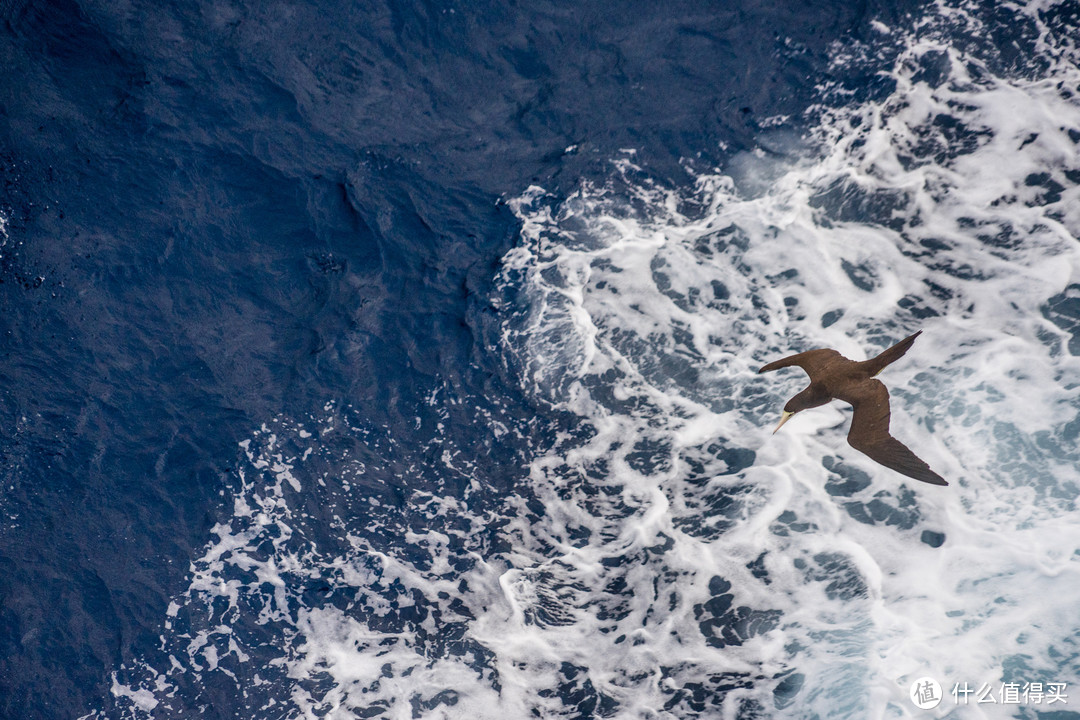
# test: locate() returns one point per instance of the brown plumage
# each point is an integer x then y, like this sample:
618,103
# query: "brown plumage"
834,376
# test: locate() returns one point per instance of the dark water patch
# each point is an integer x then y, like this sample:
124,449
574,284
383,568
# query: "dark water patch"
593,487
579,696
679,369
662,280
932,67
723,625
665,544
830,318
697,471
650,456
730,239
939,291
966,414
602,388
711,510
1056,445
711,514
935,244
1010,43
941,141
844,480
177,344
421,705
932,538
683,337
788,522
846,201
885,508
704,698
1027,459
758,570
679,366
1070,431
1001,42
791,304
615,604
556,599
786,691
918,307
375,709
842,578
1063,310
719,457
780,277
866,83
1050,189
861,276
1002,236
1061,19
94,75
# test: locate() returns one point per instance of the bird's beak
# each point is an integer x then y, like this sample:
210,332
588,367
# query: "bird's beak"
783,419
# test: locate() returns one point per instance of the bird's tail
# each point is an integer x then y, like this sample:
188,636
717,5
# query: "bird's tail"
877,364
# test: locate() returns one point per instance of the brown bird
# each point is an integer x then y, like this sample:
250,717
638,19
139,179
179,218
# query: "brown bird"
833,376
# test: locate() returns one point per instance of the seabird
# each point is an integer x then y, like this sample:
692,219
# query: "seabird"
833,376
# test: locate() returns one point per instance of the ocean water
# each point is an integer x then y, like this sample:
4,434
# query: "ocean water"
401,361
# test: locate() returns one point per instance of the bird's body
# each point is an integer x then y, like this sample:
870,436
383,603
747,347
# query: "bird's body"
833,376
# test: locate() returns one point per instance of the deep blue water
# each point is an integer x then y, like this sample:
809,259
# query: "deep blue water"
226,221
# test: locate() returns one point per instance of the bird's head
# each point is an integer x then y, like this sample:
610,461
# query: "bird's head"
789,411
800,402
811,397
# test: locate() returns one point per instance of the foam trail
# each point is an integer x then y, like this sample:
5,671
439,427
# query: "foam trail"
951,207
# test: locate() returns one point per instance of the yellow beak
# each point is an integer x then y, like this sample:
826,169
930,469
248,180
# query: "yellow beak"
783,419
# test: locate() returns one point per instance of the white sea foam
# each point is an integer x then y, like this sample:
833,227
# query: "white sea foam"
949,207
673,559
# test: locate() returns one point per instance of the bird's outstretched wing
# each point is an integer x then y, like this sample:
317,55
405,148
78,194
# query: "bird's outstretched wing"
869,433
877,364
812,361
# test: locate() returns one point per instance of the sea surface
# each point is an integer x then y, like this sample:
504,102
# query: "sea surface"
399,359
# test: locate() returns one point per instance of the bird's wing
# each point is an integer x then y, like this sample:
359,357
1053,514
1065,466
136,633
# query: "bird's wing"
877,364
869,433
812,361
